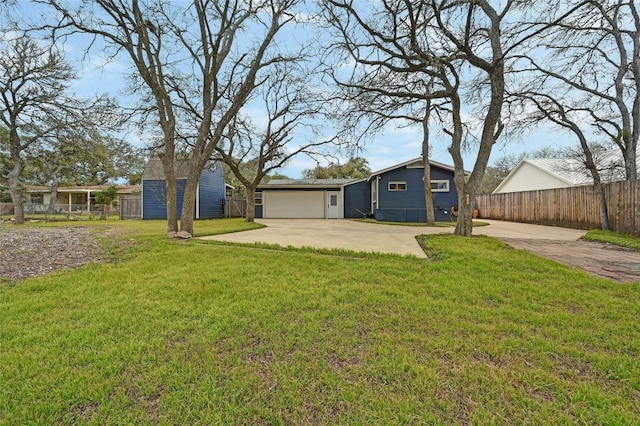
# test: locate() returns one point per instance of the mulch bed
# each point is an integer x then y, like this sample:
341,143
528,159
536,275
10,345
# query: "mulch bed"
27,252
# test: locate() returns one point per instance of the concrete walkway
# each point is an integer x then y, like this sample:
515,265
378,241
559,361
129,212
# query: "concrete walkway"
373,237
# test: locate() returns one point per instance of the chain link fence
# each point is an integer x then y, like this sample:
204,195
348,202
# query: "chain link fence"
36,211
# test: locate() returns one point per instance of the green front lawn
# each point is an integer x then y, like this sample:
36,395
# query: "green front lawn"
205,333
615,238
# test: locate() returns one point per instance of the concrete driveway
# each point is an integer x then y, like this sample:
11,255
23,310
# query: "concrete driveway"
373,237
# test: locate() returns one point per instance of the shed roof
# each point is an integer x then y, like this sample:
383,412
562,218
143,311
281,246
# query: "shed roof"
154,170
338,183
305,183
413,163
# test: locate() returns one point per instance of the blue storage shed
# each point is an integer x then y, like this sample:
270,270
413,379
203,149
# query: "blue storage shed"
210,193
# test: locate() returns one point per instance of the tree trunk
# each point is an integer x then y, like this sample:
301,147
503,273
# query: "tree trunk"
171,194
595,174
602,204
630,158
189,202
16,191
428,194
464,226
17,199
51,209
250,215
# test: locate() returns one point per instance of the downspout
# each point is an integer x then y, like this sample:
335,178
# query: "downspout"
198,201
371,191
377,194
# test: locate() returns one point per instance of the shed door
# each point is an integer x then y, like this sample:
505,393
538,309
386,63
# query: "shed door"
293,204
333,205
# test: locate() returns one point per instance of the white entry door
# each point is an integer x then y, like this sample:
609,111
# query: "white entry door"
333,205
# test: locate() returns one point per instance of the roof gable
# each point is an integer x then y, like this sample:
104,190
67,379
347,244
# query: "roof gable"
154,170
413,164
570,171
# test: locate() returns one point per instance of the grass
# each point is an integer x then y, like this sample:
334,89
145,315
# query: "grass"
156,228
622,240
208,333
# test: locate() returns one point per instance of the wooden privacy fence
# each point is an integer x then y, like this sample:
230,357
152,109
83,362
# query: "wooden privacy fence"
568,207
235,206
131,207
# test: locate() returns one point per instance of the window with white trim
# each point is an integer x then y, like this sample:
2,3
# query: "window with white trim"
258,198
439,186
397,186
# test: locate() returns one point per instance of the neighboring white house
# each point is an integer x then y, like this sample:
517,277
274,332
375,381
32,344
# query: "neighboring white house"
539,174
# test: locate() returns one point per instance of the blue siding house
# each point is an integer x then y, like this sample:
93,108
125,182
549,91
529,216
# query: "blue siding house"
209,198
394,194
397,193
357,199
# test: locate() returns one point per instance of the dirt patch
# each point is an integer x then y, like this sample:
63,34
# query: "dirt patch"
600,259
27,252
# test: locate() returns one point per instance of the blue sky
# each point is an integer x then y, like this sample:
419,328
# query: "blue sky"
394,145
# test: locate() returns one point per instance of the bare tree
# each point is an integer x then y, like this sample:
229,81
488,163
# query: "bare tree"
35,105
446,40
139,32
200,62
593,61
466,48
293,108
392,80
586,81
549,108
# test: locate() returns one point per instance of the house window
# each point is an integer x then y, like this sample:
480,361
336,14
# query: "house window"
258,198
37,198
397,186
440,186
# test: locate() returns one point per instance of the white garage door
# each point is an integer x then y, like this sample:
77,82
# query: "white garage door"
293,204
